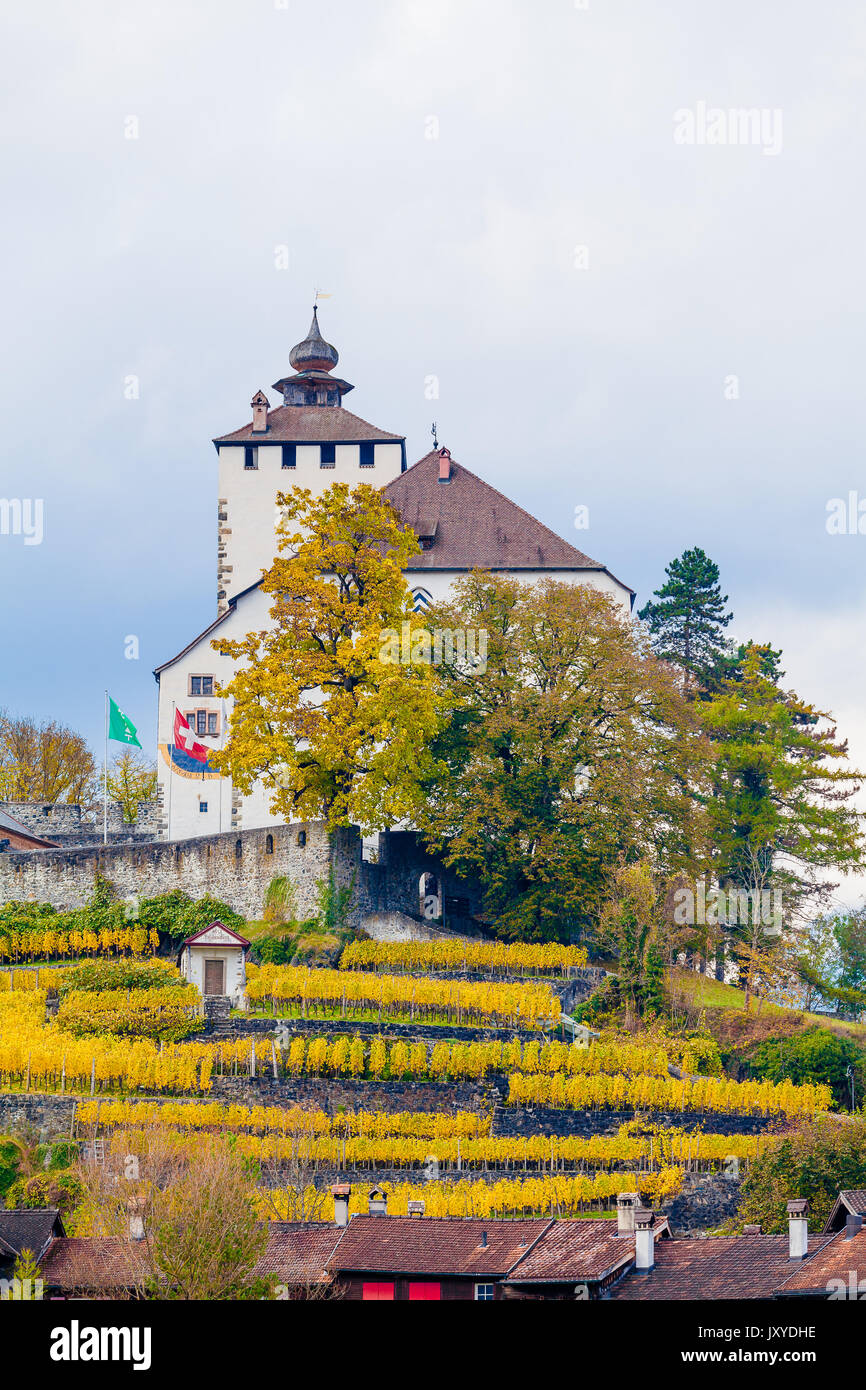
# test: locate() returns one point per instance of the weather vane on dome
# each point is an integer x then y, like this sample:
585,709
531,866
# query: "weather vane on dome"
433,432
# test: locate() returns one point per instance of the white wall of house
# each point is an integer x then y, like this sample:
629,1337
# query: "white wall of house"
438,583
192,967
248,495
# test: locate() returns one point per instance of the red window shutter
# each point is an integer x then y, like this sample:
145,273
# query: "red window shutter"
427,1292
371,1292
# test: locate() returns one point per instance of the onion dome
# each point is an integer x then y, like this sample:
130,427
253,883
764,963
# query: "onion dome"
314,354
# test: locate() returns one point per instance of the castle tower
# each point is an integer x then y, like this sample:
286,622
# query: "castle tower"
310,440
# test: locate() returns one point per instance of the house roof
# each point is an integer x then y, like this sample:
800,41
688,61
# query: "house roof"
15,827
192,940
94,1262
474,526
425,1245
298,1253
28,1228
852,1202
311,424
836,1258
727,1267
583,1249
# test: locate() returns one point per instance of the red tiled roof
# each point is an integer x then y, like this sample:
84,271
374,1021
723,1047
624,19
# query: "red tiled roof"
431,1245
837,1258
298,1254
475,526
94,1262
585,1248
191,940
727,1267
29,1228
850,1202
310,424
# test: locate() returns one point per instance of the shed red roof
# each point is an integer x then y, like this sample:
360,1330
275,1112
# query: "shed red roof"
835,1259
722,1268
191,940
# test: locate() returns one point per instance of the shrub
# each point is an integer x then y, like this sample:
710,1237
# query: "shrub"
818,1055
120,974
179,916
818,1161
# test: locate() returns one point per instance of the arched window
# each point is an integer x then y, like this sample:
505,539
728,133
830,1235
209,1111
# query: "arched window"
269,844
239,848
302,838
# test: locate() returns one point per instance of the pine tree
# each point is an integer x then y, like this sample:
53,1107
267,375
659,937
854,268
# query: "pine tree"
687,623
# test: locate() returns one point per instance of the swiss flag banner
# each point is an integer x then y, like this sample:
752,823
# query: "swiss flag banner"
184,739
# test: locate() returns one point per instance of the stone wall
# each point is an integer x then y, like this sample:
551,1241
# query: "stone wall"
72,825
49,1116
520,1120
234,867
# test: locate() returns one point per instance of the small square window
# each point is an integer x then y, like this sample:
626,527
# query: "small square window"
483,1293
202,806
200,685
251,456
328,455
290,455
368,455
195,685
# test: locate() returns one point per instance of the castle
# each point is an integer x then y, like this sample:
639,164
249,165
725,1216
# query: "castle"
313,441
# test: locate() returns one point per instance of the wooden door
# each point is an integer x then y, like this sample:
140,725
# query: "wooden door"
214,976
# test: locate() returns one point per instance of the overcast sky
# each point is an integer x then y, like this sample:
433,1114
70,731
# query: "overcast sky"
519,199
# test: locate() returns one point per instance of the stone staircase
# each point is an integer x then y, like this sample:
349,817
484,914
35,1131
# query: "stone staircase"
217,1013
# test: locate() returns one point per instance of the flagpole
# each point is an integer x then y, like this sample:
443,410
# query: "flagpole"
170,748
105,780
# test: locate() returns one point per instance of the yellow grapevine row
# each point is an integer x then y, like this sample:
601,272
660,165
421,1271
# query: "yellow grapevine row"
660,1093
328,992
555,1195
271,1119
25,981
109,941
548,958
334,1151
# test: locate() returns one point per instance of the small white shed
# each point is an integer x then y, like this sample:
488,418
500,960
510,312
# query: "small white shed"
214,959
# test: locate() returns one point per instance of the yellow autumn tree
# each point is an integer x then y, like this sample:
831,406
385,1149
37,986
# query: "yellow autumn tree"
327,718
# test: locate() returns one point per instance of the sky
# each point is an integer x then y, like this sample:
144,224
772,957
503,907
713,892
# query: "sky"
548,213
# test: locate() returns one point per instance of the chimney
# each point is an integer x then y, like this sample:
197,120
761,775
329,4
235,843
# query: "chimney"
341,1192
644,1240
135,1218
483,1240
259,404
853,1226
378,1202
798,1229
625,1205
751,1230
415,1208
445,465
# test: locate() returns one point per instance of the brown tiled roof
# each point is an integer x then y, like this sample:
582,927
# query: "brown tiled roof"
310,424
94,1262
837,1258
584,1249
298,1254
29,1228
475,526
850,1202
727,1267
433,1245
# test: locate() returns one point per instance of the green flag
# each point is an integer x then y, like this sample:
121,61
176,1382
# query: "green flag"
121,729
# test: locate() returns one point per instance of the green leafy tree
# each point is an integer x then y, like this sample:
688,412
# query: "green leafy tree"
688,620
573,749
815,1056
816,1161
849,930
131,780
780,789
